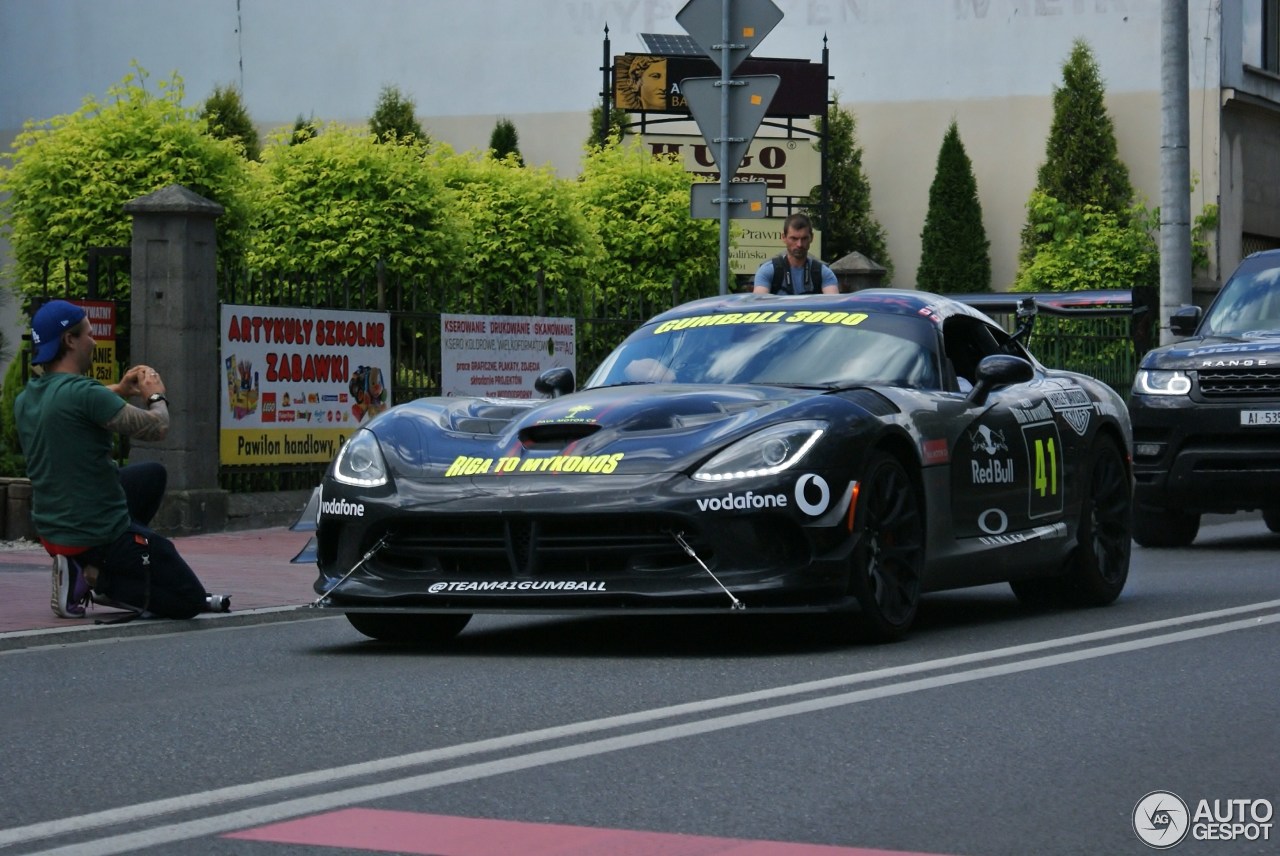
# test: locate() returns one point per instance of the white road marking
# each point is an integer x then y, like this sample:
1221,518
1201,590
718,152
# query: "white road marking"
216,824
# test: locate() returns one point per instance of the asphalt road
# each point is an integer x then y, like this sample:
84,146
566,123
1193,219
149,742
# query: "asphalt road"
993,730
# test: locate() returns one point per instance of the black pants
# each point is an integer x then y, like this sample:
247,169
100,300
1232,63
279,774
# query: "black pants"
140,568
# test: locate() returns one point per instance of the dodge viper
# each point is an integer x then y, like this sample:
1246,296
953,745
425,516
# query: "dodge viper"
833,454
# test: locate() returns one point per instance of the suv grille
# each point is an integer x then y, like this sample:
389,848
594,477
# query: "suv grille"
1240,383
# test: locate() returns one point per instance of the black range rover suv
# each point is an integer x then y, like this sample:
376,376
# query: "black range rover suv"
1206,412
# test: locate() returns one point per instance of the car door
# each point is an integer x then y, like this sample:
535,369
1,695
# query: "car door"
1007,458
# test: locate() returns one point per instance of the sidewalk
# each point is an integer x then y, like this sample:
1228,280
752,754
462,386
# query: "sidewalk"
253,566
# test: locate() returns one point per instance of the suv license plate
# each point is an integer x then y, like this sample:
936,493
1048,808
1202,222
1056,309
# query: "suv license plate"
1259,418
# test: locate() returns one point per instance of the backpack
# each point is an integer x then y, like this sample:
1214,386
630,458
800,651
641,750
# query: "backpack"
781,267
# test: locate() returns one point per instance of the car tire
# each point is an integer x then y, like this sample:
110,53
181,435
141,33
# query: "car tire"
1271,517
1099,566
405,629
1163,527
888,558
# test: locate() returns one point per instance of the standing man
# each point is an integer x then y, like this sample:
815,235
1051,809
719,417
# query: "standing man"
794,272
92,516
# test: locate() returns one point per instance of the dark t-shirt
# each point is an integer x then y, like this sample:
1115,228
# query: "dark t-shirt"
77,500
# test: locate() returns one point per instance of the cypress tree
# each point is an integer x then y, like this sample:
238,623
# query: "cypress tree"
303,129
955,253
1082,165
619,119
505,140
848,225
393,119
227,119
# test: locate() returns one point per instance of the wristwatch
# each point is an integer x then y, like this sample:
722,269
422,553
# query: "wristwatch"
156,396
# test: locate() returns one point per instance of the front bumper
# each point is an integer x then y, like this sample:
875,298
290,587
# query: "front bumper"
644,544
1195,456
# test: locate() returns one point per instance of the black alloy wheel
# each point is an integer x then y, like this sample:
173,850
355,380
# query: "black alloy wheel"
888,560
1100,566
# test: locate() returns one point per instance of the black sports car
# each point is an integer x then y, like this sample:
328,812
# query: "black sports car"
835,454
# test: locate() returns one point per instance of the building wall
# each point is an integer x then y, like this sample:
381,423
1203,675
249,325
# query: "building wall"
904,67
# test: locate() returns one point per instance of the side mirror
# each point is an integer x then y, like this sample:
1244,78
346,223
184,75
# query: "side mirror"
555,382
1184,320
998,370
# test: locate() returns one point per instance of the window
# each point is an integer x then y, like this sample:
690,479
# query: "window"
1262,34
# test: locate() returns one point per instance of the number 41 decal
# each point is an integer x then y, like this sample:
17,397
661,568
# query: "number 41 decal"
1044,449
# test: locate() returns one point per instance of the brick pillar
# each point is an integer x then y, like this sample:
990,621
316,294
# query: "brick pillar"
174,327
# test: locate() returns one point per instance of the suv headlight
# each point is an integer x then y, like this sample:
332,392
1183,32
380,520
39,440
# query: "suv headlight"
1161,382
359,461
764,453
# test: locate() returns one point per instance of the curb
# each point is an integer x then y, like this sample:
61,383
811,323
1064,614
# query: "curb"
19,640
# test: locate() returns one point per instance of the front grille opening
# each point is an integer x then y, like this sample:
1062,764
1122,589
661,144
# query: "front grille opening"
528,547
1253,383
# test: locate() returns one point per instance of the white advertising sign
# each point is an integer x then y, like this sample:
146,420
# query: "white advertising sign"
500,356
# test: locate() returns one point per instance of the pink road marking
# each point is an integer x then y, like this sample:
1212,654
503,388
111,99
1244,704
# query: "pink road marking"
441,835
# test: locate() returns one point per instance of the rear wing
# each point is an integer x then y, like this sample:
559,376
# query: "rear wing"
1102,333
1140,305
1100,302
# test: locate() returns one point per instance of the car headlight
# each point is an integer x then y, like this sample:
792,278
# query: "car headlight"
1161,382
359,461
764,453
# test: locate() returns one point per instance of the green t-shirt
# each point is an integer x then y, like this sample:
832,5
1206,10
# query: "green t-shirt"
77,500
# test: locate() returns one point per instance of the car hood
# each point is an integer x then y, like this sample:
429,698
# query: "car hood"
630,429
1260,348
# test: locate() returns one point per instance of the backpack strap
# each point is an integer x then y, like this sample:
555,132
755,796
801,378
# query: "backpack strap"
780,268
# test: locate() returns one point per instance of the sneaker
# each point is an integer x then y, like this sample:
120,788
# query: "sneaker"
217,603
70,588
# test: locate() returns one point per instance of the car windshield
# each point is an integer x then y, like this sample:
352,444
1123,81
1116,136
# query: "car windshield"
788,348
1249,302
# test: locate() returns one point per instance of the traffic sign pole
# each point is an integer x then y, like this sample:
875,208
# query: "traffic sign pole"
741,26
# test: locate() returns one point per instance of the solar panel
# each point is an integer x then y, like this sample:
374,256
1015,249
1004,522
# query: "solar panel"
667,44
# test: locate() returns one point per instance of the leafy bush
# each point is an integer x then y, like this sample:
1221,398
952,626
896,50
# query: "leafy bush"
69,178
12,463
340,202
517,222
1089,247
639,206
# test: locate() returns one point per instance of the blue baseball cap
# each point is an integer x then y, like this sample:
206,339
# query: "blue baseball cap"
47,326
